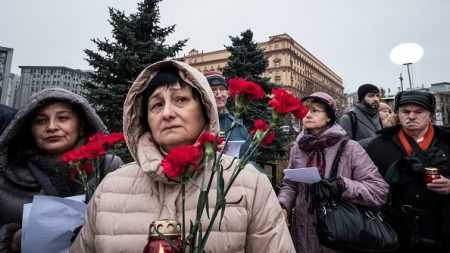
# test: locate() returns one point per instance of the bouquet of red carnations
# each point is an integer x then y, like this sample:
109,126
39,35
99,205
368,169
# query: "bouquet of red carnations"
181,162
85,161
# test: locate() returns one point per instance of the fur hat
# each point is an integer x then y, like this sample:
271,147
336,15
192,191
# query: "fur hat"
422,99
366,88
215,78
327,100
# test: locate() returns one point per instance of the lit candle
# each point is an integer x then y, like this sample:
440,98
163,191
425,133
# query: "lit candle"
161,248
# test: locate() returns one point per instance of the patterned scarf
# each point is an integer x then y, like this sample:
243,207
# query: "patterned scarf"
314,146
53,176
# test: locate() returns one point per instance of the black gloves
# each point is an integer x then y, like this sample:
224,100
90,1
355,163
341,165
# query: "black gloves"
414,164
328,188
75,233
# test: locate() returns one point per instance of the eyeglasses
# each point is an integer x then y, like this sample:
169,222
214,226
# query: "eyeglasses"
219,90
315,112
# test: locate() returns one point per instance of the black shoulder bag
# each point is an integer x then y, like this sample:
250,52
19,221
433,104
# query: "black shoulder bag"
346,226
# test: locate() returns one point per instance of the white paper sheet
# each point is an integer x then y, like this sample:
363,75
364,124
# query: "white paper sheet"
233,148
307,175
50,222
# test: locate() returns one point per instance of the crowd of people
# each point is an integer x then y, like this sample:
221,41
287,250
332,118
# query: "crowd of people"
383,165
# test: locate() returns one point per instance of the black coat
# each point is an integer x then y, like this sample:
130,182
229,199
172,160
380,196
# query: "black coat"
405,176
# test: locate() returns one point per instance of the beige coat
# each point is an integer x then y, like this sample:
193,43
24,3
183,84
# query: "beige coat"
129,199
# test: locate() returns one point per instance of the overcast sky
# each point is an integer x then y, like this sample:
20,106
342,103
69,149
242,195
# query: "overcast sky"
352,37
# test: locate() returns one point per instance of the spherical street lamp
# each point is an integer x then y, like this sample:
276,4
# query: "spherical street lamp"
407,54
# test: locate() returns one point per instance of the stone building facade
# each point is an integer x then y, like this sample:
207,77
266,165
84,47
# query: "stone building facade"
290,65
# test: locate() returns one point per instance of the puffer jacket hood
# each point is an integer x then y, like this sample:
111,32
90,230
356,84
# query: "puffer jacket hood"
150,158
37,100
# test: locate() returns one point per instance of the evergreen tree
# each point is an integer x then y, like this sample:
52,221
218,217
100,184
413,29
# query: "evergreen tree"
248,61
138,41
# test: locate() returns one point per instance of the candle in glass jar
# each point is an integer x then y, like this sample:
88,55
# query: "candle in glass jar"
431,174
156,243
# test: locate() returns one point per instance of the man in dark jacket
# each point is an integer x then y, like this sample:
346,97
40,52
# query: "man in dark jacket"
417,210
363,120
6,114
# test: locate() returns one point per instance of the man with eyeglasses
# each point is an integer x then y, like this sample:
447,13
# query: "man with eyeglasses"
363,121
219,87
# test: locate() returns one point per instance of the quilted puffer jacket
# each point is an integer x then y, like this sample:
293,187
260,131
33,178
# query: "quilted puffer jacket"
129,199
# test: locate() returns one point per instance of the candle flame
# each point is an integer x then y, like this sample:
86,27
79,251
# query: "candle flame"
161,248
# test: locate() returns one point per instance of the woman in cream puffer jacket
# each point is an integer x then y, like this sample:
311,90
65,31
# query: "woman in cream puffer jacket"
129,199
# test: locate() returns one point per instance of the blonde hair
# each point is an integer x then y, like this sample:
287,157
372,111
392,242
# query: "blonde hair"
392,120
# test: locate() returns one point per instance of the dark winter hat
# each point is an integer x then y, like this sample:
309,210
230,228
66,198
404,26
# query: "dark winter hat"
215,79
422,99
327,100
366,88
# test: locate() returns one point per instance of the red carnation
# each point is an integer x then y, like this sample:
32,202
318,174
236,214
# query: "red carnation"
73,173
114,138
178,159
72,156
87,167
283,103
262,126
93,149
243,86
207,137
98,137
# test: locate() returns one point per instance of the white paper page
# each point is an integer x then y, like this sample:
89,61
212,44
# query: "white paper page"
307,175
51,223
233,148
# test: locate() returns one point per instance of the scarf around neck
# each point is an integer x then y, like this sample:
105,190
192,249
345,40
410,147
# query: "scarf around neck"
53,176
314,146
372,112
424,144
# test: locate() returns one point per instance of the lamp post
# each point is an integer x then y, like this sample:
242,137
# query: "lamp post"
407,54
401,81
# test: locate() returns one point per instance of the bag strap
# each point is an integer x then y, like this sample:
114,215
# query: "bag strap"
417,150
354,123
337,158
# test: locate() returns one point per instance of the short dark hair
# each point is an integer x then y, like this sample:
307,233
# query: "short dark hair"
167,76
20,150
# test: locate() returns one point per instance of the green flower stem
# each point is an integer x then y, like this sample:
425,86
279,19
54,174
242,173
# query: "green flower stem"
183,217
221,197
97,170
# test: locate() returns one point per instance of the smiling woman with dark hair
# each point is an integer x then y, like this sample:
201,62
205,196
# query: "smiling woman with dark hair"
51,123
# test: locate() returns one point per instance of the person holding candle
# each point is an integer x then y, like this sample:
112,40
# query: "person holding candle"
170,105
419,206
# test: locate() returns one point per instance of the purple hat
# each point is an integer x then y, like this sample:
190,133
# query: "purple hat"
327,100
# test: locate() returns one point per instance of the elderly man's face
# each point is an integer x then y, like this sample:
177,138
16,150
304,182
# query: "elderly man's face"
220,95
413,117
